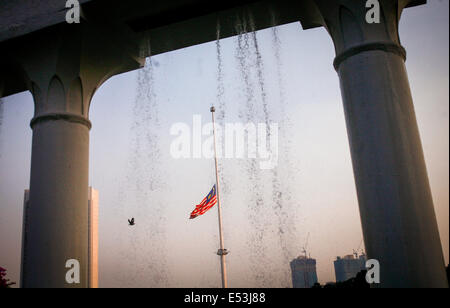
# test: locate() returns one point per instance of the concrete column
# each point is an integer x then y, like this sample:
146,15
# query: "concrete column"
396,206
64,66
2,86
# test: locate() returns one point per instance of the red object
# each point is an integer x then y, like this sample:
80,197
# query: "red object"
206,204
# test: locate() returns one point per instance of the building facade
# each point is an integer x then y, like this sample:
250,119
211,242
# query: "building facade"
25,228
304,273
348,267
93,238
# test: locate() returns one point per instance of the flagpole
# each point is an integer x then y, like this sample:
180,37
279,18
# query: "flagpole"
222,252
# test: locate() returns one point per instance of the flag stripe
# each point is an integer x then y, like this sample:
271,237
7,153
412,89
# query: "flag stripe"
206,204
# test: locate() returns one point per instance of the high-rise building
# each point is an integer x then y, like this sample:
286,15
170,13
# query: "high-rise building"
92,208
93,238
348,267
304,274
23,274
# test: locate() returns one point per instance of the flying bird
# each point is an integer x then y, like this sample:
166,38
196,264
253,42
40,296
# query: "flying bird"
131,222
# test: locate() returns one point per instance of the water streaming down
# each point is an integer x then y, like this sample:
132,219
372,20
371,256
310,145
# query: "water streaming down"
268,212
220,83
221,111
282,190
256,211
269,272
277,199
144,189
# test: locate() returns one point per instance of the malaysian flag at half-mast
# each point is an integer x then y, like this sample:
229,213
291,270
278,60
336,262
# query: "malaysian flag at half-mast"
206,204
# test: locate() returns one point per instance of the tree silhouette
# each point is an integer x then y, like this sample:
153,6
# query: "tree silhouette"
448,276
359,282
4,283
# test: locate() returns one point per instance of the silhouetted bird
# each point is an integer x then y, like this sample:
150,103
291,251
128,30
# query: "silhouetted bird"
131,222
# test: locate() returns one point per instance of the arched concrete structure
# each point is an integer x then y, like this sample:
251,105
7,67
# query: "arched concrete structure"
63,65
63,71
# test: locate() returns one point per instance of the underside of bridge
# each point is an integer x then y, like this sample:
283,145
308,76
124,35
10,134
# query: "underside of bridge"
151,27
63,64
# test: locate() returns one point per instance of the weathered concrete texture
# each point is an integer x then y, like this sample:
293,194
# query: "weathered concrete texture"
20,17
396,206
154,26
63,70
58,217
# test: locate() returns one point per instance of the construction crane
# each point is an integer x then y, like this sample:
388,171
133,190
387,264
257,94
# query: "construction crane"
306,245
305,272
355,252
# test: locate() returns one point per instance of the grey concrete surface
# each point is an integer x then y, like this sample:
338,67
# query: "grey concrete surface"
63,71
398,219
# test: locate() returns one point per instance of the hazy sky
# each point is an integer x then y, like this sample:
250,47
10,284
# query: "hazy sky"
314,171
